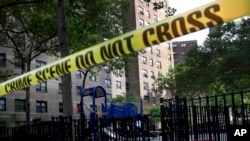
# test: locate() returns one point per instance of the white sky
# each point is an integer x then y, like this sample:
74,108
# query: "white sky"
185,5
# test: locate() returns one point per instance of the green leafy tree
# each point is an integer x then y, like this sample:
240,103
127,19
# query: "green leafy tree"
92,22
155,115
28,31
128,97
220,65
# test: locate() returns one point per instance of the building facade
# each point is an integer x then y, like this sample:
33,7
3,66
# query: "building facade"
180,48
46,97
153,59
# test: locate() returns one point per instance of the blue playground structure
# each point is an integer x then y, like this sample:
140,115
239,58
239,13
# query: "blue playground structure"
109,114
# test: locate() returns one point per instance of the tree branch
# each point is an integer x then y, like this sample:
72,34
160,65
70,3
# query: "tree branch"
18,2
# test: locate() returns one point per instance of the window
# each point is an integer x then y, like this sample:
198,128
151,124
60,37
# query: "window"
40,63
41,87
150,50
145,73
118,72
20,42
151,62
155,18
118,84
183,52
2,104
141,22
2,39
2,59
158,64
168,46
59,88
41,106
175,52
176,60
169,57
158,52
144,60
174,45
60,107
92,78
152,74
18,62
146,98
108,83
148,14
183,45
20,105
78,90
78,74
145,85
107,69
140,9
153,87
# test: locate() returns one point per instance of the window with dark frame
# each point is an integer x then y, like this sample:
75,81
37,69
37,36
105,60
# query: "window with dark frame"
41,87
18,62
151,62
158,64
145,85
92,77
145,72
2,104
59,88
78,74
108,83
40,63
78,90
41,106
158,52
118,84
2,59
144,60
60,107
20,105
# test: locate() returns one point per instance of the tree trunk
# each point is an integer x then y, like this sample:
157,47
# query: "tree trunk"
64,48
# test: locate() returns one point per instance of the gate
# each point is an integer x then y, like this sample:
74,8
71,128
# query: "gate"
208,118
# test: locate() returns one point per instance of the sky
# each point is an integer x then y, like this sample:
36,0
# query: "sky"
185,5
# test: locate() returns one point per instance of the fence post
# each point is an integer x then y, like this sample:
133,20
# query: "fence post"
186,120
195,125
209,118
163,124
177,118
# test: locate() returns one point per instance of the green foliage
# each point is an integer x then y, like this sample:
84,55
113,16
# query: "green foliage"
220,65
155,114
128,97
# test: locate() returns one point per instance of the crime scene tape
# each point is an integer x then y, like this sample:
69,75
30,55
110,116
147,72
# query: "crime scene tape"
209,15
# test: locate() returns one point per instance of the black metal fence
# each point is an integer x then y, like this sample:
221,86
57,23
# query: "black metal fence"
208,118
199,119
67,129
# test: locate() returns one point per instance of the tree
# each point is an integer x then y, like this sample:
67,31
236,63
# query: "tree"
128,97
92,22
65,50
165,82
28,31
220,65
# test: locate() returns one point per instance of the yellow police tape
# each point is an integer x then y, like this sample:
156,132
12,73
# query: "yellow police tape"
209,15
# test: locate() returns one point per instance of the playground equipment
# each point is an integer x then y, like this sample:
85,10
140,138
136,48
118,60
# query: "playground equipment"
108,113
